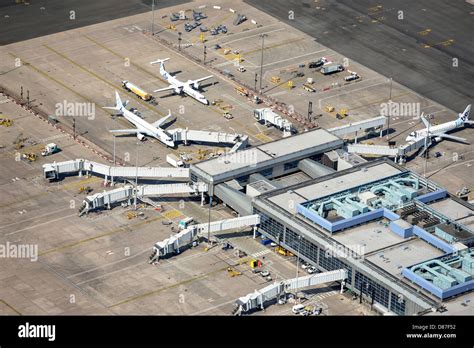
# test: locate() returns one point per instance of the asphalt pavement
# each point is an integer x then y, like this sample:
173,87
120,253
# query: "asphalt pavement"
416,47
21,21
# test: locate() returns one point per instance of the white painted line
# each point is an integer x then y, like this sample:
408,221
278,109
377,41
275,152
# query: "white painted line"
34,218
285,60
247,37
41,224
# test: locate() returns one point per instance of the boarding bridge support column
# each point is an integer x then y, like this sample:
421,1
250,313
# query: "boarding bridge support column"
355,137
202,199
254,232
342,286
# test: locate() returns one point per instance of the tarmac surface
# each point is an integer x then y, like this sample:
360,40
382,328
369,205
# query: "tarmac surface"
44,17
417,51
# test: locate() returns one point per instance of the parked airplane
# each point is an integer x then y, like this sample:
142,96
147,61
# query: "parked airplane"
437,133
143,127
190,87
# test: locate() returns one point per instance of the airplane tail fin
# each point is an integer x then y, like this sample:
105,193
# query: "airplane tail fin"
425,121
162,65
465,115
118,103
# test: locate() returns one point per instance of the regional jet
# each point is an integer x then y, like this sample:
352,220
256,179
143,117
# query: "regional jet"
143,127
189,87
438,133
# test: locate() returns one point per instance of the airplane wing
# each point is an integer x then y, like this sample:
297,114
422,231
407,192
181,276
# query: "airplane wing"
452,137
169,88
202,79
163,120
131,131
469,122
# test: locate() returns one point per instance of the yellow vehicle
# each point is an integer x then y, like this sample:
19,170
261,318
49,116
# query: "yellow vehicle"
254,263
136,90
283,251
242,91
131,215
30,157
308,87
232,272
85,189
329,108
171,27
6,122
275,79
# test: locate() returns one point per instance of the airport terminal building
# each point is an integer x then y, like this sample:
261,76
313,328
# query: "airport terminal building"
404,240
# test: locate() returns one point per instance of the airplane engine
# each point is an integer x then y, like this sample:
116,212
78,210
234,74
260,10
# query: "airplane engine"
437,139
196,85
178,90
140,136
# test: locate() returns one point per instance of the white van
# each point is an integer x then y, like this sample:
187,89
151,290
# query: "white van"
297,308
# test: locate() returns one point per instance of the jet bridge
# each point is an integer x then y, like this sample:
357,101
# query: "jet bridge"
173,244
185,135
52,171
373,123
107,198
277,289
384,150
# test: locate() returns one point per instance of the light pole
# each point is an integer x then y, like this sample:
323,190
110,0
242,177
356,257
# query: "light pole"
297,266
114,150
136,178
153,18
389,107
261,60
209,221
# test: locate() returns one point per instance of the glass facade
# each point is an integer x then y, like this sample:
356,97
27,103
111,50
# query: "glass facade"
371,289
270,225
290,165
331,263
267,172
397,304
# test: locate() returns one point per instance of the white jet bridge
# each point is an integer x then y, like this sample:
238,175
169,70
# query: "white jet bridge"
186,135
172,244
107,198
54,170
370,124
383,150
273,291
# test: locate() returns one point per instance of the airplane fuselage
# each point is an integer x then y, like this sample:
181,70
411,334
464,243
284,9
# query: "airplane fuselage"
436,130
146,128
184,88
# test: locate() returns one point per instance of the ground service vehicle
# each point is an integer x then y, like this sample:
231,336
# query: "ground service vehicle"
136,90
330,69
174,160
